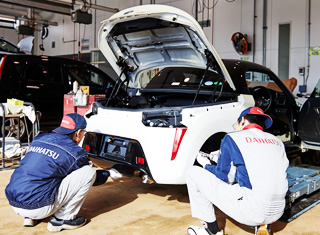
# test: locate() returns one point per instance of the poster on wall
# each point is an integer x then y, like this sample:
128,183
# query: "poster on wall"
314,50
245,58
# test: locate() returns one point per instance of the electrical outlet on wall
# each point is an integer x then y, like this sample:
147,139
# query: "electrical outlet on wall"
302,71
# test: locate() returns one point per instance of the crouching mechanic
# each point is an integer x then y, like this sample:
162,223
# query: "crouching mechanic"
260,163
54,177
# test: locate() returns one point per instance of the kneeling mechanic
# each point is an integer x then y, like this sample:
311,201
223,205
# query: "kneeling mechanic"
54,177
257,161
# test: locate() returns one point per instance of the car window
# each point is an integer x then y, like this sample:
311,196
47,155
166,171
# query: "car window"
182,78
257,76
316,91
146,77
7,47
44,72
254,79
14,67
84,76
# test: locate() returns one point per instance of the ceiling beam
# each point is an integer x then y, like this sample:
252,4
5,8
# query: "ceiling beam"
16,14
57,6
41,5
93,6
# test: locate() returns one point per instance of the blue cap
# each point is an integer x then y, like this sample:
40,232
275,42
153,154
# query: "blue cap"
71,123
257,111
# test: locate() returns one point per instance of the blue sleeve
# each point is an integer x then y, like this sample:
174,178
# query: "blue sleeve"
211,168
224,162
82,160
230,154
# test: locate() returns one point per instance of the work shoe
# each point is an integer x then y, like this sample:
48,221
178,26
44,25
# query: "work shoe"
263,229
56,225
114,174
197,230
28,222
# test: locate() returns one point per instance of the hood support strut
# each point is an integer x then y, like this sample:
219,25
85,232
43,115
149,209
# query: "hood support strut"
125,70
212,63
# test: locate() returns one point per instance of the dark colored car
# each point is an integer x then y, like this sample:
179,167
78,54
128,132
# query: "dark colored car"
43,81
297,125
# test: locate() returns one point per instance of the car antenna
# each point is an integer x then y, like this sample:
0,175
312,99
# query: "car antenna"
210,63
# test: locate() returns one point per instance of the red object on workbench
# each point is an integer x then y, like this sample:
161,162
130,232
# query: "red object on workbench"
68,105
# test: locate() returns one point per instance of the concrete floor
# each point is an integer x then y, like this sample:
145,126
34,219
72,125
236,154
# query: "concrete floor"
129,207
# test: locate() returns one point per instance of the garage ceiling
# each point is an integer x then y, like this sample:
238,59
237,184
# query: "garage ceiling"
30,9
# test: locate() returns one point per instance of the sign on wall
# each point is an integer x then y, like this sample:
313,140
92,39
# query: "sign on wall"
314,50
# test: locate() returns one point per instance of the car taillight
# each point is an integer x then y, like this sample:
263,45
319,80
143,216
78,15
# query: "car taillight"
140,160
177,141
87,147
1,64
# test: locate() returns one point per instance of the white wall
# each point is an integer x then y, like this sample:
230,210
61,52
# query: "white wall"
228,17
239,17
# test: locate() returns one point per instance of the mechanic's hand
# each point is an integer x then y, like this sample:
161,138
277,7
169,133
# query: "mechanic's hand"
203,159
114,174
214,156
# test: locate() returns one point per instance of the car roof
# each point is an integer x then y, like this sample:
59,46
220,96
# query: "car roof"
245,65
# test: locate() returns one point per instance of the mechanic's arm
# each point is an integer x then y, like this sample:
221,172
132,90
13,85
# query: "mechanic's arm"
101,175
222,169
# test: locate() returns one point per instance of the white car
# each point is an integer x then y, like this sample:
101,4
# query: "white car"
174,96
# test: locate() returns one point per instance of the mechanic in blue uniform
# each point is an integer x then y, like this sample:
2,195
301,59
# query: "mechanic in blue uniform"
249,181
54,177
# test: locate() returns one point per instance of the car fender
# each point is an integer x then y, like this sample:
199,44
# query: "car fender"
203,122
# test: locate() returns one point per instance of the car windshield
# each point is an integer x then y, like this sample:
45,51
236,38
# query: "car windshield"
8,47
179,77
261,79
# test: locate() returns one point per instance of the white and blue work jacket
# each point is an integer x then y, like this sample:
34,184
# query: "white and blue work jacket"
260,160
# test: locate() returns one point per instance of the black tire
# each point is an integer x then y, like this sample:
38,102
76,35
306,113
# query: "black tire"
311,157
12,126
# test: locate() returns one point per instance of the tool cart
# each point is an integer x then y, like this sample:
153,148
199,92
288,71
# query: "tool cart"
20,115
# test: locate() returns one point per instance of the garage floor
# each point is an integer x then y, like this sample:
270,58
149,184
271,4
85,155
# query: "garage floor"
130,207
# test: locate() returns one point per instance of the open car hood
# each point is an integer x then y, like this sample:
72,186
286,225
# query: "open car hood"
148,37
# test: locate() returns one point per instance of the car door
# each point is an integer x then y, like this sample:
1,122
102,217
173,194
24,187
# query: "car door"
43,84
309,120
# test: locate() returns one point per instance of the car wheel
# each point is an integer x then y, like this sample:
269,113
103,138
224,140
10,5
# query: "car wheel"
12,126
213,142
311,157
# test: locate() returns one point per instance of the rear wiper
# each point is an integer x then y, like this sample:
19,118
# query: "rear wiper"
211,63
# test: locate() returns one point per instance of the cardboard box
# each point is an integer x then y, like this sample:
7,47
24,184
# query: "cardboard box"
15,101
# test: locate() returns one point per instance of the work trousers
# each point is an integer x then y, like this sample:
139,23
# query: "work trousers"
69,197
206,190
